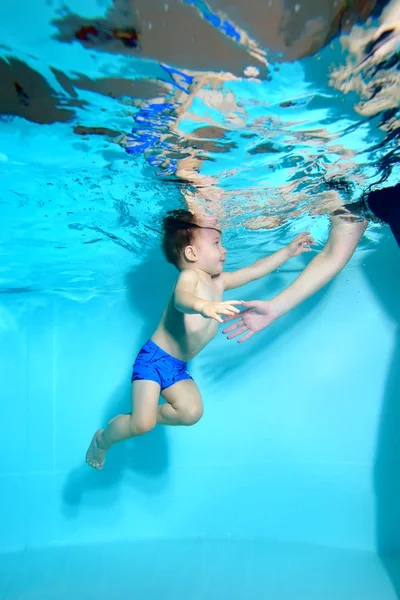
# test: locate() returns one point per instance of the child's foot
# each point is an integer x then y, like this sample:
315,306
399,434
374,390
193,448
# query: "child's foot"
96,456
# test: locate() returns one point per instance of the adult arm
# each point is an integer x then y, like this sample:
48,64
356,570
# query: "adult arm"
343,240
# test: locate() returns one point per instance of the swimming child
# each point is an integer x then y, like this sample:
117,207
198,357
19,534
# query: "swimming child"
188,324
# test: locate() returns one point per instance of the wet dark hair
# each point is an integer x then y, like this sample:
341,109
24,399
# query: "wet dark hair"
178,232
341,185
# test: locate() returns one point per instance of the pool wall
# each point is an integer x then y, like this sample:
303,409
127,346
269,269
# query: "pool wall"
299,440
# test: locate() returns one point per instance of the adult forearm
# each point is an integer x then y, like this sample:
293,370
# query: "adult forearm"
343,240
315,276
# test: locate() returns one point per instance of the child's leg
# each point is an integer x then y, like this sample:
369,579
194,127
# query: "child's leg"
143,418
184,405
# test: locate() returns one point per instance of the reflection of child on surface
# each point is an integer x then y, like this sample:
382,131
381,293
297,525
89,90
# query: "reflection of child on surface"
189,322
159,136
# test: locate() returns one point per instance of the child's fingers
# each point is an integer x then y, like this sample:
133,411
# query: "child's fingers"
306,242
227,306
231,305
217,318
233,309
306,239
302,235
230,318
226,311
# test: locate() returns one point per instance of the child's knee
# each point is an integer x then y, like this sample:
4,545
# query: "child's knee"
142,425
191,415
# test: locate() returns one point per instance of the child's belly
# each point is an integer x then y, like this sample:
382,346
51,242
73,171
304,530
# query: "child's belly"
199,332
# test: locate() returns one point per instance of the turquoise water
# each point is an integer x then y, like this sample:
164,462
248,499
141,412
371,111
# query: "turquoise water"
269,115
282,150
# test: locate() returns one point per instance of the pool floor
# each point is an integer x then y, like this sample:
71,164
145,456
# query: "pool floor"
195,570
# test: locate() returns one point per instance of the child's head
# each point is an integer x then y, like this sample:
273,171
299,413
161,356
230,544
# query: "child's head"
189,245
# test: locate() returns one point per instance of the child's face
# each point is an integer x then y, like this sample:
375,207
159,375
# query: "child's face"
209,251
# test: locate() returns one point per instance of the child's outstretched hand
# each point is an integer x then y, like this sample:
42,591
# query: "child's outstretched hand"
301,244
213,310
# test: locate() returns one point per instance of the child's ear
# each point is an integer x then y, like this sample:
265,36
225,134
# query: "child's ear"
190,254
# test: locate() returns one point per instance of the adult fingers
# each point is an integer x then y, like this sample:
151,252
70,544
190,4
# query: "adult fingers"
246,337
233,326
237,332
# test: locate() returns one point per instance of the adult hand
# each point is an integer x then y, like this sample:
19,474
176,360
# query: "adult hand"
257,315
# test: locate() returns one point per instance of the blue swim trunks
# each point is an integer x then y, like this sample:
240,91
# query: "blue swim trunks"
154,364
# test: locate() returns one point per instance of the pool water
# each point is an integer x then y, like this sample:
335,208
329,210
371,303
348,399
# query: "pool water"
269,116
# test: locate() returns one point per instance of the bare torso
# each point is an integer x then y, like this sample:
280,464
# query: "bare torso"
185,335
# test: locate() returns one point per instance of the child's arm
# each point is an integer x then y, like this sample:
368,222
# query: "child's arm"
187,302
342,242
269,263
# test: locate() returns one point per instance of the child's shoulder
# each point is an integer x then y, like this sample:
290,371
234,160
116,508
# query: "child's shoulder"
188,276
